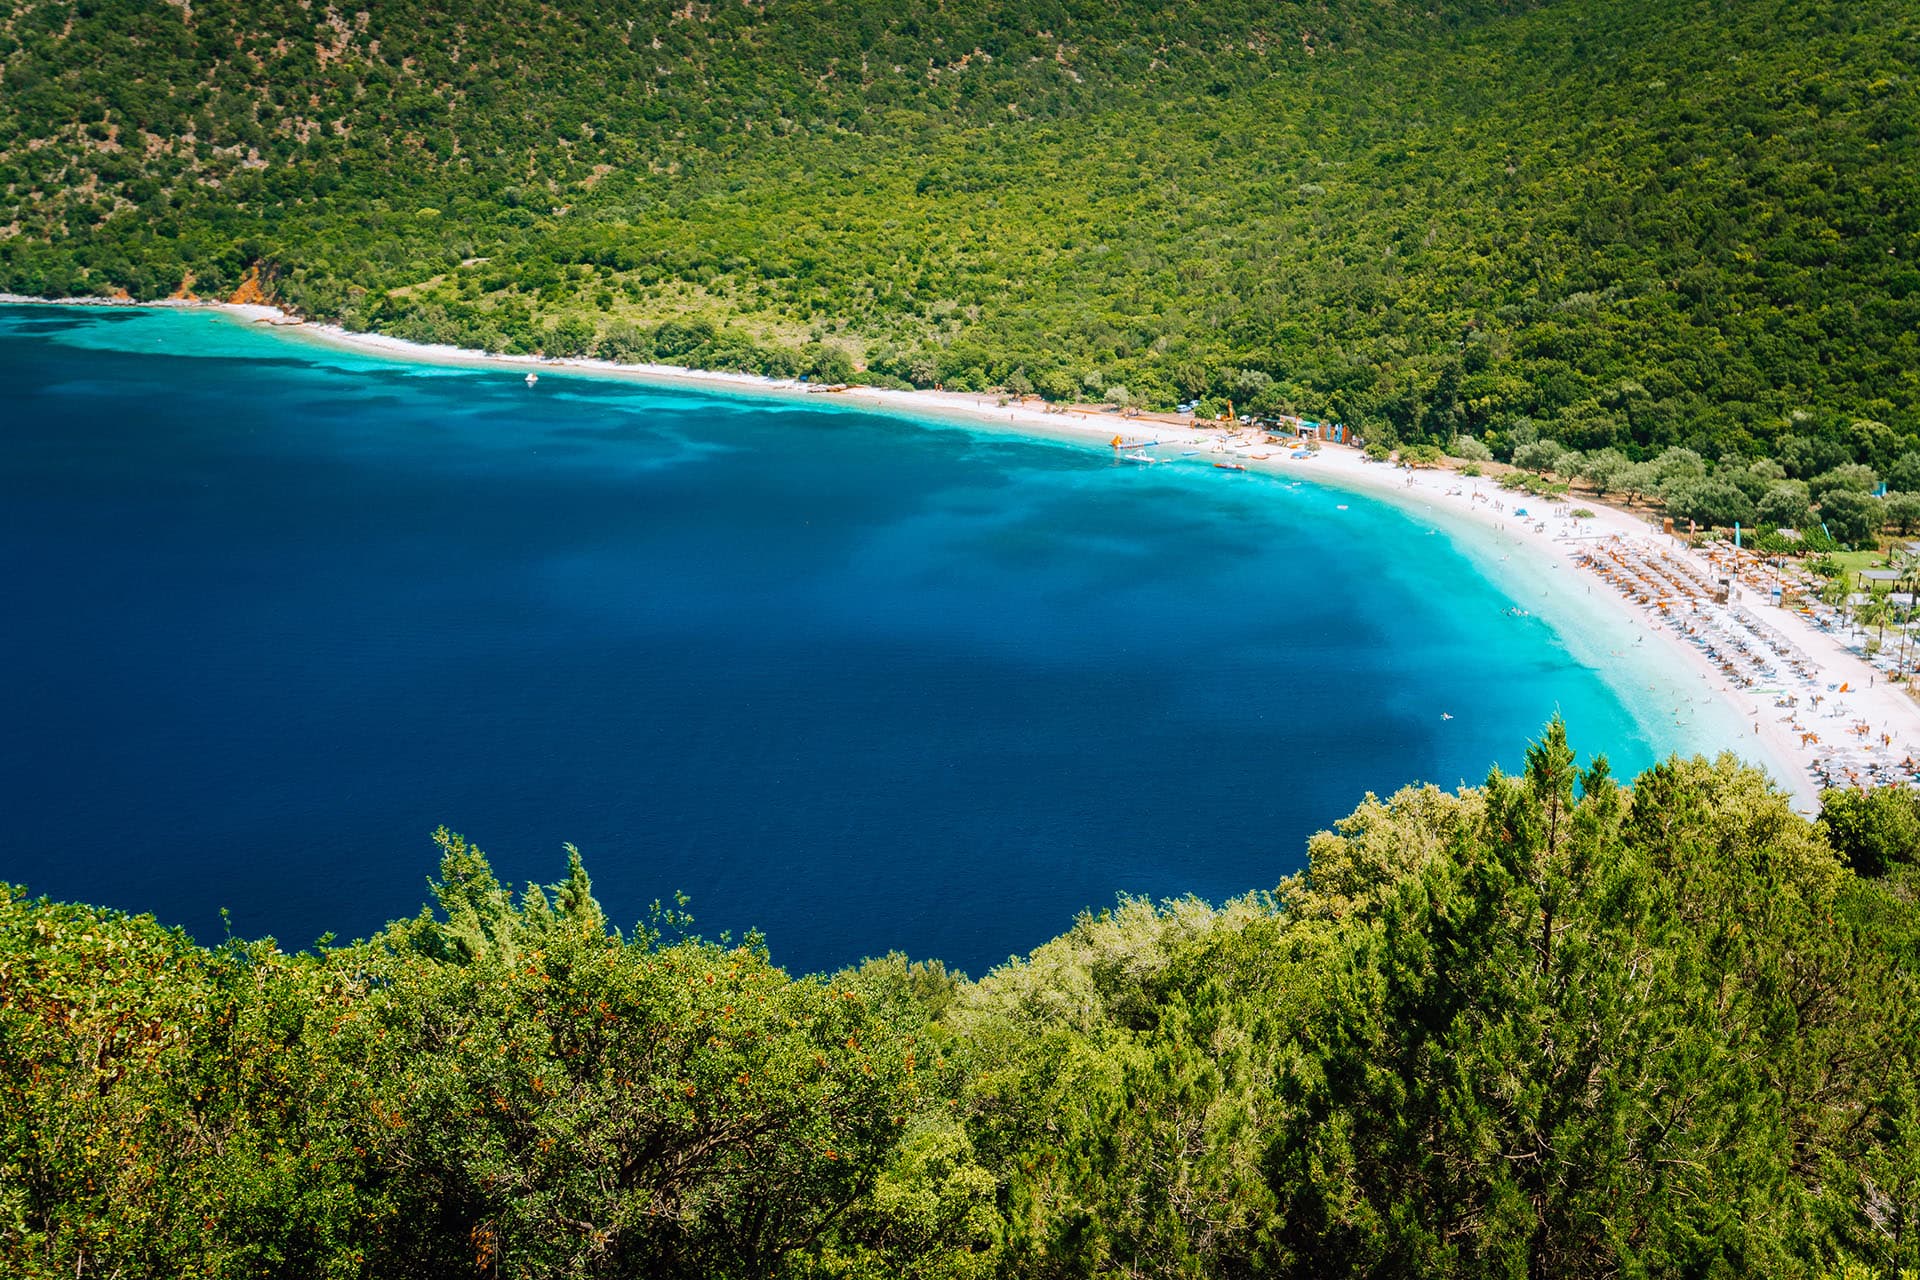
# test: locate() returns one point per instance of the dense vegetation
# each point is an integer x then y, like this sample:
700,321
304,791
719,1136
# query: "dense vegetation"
1552,1026
1614,225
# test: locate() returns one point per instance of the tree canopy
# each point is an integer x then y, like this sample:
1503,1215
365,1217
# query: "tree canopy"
1551,1025
1610,225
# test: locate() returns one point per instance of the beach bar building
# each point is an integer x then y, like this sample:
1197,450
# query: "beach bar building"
1334,431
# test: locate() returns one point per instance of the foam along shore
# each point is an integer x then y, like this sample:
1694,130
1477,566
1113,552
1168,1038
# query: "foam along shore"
1746,676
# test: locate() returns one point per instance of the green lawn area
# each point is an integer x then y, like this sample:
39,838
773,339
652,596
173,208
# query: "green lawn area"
1852,562
1855,561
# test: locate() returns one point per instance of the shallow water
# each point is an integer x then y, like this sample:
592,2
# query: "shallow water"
274,612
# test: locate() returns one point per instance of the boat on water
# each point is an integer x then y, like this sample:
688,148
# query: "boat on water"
1140,457
532,378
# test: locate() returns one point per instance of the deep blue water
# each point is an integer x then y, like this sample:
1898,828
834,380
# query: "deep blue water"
273,612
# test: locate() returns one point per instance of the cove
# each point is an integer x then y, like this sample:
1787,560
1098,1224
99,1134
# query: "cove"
274,612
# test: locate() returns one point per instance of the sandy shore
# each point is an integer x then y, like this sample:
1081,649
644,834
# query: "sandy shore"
1752,721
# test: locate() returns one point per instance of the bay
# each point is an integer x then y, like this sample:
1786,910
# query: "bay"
273,612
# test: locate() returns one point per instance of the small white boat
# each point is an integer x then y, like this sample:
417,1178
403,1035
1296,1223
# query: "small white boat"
532,378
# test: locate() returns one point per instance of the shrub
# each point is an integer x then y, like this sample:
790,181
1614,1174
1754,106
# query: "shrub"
1469,449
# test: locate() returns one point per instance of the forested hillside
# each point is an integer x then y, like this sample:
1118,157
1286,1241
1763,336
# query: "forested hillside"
1632,223
1552,1026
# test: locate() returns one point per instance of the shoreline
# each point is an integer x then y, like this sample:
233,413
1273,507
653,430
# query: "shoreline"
1548,565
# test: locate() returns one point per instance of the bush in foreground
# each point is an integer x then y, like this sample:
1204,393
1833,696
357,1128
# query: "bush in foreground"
1548,1026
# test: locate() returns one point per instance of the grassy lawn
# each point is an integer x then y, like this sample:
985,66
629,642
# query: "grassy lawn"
1852,562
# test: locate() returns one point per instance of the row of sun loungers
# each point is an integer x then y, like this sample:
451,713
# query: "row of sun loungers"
1753,655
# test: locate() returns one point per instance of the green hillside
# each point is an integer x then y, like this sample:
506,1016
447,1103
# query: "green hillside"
1547,1027
1637,224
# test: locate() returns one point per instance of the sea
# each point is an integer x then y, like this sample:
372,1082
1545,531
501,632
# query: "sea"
861,681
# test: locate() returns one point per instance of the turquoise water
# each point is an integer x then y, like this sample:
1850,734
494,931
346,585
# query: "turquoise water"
275,611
